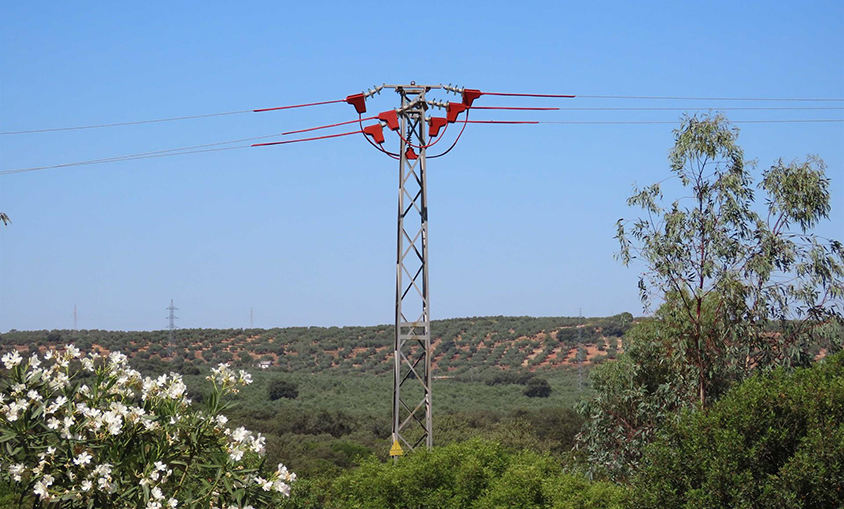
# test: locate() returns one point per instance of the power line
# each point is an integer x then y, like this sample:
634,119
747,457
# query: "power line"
168,119
347,100
731,108
675,98
306,139
148,155
116,160
118,124
304,105
633,122
196,149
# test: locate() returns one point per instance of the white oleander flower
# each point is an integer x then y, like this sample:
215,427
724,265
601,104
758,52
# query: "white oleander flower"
83,459
12,359
72,351
88,364
16,471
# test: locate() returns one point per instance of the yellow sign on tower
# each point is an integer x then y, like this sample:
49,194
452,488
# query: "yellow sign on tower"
396,449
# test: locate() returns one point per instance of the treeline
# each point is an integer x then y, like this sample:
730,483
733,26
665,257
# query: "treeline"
463,345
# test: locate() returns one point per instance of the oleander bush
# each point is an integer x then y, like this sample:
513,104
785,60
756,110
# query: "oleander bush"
90,432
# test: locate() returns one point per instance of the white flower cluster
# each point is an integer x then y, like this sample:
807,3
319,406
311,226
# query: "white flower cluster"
77,427
279,481
227,380
12,359
167,387
241,441
156,477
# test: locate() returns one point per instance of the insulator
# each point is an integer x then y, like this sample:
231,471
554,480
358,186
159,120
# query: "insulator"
438,104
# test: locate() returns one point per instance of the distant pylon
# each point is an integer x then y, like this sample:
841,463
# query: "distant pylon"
251,319
579,355
172,327
75,322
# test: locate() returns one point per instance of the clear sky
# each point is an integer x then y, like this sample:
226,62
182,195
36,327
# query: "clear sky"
521,217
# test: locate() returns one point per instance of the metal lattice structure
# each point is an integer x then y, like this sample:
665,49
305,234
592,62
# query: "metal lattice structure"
412,353
172,326
412,422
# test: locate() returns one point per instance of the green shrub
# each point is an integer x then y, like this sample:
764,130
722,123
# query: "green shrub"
538,388
278,388
774,441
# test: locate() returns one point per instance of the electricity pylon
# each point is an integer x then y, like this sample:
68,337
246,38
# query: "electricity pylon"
412,422
172,326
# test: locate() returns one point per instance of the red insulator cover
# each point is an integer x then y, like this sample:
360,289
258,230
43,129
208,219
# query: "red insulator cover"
434,126
358,101
469,96
391,118
453,110
376,131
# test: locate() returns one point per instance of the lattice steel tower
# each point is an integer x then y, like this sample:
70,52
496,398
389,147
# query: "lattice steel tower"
172,327
412,423
579,357
412,352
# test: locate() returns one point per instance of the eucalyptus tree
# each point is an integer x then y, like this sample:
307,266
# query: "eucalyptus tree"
740,285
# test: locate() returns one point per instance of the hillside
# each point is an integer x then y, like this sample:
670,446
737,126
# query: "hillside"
461,345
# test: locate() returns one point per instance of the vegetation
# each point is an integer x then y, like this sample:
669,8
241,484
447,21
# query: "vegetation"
730,395
472,474
538,388
742,289
467,347
278,388
83,432
777,440
741,292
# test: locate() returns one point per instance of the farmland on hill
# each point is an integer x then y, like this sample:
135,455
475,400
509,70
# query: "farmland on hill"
337,411
462,346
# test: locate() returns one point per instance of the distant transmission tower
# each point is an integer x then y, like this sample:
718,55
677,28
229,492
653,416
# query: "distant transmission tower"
75,319
172,328
251,319
579,354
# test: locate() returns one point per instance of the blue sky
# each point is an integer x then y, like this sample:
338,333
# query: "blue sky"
521,218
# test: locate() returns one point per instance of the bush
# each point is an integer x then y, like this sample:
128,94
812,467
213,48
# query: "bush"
538,388
282,389
476,474
774,441
82,432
